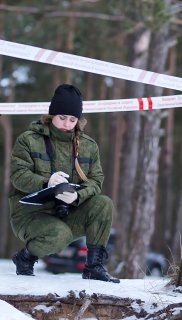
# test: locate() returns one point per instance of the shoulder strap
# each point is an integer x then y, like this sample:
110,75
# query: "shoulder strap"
49,148
49,151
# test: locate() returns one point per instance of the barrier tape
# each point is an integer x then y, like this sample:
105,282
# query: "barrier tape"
37,54
98,106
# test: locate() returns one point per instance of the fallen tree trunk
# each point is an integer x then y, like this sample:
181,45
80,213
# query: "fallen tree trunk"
99,306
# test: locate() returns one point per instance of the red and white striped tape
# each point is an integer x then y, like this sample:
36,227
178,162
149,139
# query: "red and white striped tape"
174,101
37,54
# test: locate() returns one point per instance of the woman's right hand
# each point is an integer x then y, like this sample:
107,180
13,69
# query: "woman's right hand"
57,177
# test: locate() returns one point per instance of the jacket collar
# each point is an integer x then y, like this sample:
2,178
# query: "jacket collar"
60,135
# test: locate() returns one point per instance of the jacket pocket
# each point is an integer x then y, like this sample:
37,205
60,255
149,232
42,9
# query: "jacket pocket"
84,163
42,164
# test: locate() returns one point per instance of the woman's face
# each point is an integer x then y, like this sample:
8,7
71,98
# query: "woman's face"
64,122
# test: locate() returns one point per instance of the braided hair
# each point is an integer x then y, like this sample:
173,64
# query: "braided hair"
78,128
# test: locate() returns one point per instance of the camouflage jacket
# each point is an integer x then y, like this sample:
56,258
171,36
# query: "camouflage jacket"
31,166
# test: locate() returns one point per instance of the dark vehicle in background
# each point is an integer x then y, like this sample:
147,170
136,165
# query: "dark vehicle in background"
72,258
156,264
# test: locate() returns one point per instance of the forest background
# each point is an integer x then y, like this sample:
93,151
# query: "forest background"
141,151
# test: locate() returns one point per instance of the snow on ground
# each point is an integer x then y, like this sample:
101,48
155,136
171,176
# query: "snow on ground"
8,312
152,291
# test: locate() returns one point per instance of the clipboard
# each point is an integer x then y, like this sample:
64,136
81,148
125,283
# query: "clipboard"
48,194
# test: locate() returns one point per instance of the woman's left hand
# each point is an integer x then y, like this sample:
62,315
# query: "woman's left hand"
67,197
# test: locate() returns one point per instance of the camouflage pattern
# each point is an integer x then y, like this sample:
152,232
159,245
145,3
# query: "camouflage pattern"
38,226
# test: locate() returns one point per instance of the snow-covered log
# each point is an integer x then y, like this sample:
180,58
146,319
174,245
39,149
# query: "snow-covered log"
79,305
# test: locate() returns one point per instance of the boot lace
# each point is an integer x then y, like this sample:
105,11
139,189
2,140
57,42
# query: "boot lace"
101,256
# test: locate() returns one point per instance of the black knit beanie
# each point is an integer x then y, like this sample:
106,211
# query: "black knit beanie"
67,100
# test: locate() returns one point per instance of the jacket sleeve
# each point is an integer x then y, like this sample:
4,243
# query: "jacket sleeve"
22,175
95,179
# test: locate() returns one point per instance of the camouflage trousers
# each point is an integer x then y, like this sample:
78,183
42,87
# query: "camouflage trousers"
47,234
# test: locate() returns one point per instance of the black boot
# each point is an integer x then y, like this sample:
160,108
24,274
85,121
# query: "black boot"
24,262
94,268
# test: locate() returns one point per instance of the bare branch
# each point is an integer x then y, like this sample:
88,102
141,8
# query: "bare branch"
94,15
83,308
23,9
54,13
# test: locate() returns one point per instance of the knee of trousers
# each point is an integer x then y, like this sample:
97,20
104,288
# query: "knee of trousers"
51,240
102,205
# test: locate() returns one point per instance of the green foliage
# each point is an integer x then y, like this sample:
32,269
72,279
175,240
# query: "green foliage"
93,37
152,13
104,39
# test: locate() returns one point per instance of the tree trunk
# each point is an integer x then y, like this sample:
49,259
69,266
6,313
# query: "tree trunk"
5,124
144,199
93,306
70,42
116,125
165,222
101,128
177,234
57,77
138,58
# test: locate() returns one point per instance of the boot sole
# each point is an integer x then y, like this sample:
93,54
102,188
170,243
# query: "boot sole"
90,277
